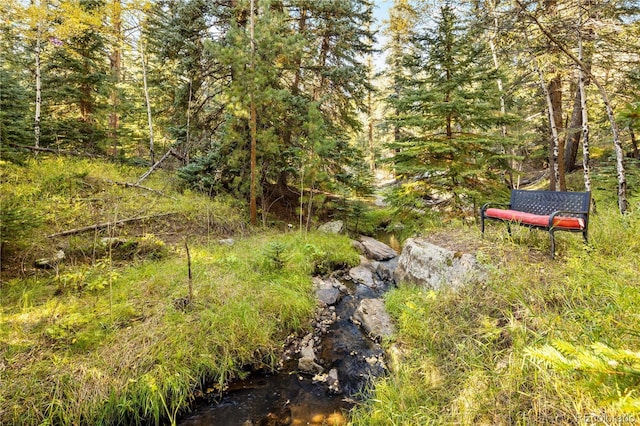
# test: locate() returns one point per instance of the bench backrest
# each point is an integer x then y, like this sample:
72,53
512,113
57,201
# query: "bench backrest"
547,202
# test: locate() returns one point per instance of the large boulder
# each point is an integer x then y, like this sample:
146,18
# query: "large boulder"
335,227
374,249
432,266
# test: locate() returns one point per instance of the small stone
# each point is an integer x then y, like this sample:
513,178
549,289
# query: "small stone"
333,382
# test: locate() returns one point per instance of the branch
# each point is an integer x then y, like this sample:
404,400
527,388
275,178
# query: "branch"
107,224
554,40
146,175
135,185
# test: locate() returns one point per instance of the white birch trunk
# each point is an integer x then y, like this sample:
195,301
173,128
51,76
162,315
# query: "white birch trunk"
615,133
554,131
585,115
148,102
36,126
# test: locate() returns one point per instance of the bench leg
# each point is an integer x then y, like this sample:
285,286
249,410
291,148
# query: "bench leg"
509,228
553,245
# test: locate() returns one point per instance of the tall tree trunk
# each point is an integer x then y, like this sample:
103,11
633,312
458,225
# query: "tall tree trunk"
623,204
148,102
252,195
503,108
584,117
584,113
575,128
36,124
554,175
574,131
115,62
555,97
295,91
371,145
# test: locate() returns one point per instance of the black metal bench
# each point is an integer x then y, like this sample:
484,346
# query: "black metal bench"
548,210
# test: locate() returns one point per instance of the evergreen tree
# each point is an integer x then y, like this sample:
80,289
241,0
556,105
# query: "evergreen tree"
16,118
306,81
448,113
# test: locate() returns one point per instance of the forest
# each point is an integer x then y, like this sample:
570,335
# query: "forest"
296,93
137,133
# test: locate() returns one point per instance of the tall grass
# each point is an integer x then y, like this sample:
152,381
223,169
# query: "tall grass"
106,337
541,342
68,360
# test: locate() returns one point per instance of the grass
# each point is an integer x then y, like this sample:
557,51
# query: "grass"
540,342
109,336
52,194
126,353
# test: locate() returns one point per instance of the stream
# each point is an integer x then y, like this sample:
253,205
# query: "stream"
323,374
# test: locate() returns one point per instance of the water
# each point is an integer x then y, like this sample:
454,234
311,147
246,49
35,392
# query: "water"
290,397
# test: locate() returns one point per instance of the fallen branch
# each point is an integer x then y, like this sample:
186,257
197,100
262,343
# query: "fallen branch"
106,224
54,151
146,175
135,185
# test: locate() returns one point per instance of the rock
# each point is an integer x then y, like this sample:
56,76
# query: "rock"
333,382
327,290
362,275
433,267
373,317
358,246
49,262
308,365
307,362
335,227
385,270
376,250
227,241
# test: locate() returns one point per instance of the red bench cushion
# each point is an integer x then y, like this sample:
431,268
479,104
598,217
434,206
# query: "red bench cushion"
534,219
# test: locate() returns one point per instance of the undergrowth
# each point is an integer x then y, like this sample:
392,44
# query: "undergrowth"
48,195
540,342
110,332
126,350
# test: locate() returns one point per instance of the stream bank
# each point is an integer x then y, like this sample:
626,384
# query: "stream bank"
324,373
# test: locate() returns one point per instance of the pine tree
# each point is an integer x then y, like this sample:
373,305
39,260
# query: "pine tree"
305,75
449,112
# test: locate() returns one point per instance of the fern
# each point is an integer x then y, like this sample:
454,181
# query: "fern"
611,375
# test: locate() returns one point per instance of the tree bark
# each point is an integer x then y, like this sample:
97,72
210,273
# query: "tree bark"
38,51
555,95
252,196
574,130
584,116
615,132
554,177
148,102
115,62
